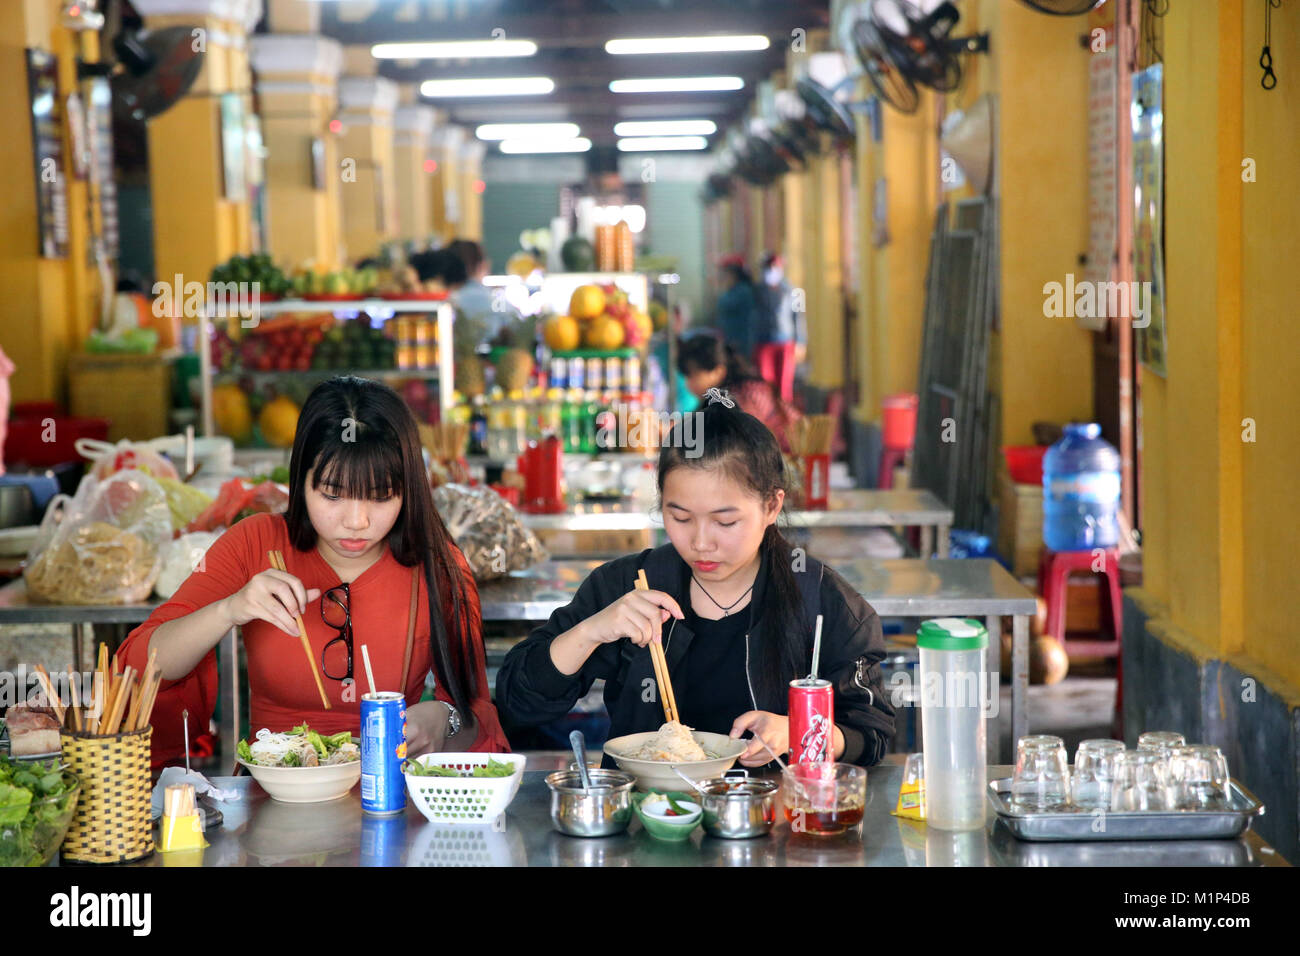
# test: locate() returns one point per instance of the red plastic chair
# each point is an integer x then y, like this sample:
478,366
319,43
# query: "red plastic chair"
1054,569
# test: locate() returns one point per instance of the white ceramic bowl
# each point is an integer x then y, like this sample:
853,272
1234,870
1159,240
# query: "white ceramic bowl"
306,784
658,774
658,810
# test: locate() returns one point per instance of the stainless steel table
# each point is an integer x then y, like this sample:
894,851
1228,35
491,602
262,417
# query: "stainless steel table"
16,607
906,587
855,508
257,831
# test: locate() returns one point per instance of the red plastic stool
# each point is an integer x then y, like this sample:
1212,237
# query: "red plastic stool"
1054,568
890,458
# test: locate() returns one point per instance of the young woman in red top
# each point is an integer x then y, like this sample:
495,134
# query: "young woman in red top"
365,553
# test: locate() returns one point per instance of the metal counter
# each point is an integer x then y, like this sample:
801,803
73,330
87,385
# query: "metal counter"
849,508
260,832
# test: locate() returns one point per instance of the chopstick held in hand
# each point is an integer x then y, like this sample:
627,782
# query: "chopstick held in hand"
277,562
660,663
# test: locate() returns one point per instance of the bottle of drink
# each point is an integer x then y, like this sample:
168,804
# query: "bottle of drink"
953,655
478,428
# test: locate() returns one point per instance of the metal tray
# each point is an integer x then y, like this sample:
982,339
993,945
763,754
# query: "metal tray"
1063,825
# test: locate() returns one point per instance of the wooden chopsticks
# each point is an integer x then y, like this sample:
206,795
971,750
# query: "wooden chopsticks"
277,562
125,700
666,696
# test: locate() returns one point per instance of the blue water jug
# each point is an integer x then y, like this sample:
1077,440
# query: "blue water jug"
1081,491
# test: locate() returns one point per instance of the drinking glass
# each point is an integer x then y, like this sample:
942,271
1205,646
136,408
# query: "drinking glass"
1042,778
1161,741
824,798
1199,777
1094,773
1141,782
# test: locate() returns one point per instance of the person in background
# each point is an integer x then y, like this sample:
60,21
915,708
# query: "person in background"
781,332
471,297
737,308
707,363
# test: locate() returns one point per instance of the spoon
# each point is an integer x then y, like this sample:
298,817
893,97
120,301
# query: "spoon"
579,744
693,783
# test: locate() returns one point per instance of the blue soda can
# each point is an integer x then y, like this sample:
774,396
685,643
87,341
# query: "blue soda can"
383,749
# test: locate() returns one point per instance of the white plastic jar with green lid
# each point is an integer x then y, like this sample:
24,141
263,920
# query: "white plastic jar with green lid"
953,671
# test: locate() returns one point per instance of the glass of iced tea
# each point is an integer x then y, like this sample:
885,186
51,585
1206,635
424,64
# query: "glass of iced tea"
824,798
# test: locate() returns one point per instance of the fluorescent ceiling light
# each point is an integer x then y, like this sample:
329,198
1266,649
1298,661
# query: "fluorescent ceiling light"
452,49
494,86
526,130
719,44
665,128
579,144
641,144
678,84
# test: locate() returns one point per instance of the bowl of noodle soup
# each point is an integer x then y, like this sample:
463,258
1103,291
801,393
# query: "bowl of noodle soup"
651,756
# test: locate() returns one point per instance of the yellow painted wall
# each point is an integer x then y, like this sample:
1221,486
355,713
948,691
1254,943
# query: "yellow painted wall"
1221,514
1038,71
45,310
1270,375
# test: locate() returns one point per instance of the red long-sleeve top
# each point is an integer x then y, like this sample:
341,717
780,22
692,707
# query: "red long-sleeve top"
282,691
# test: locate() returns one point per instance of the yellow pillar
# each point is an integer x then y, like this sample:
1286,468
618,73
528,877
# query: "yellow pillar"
296,87
413,130
470,174
196,224
366,105
447,202
36,326
825,277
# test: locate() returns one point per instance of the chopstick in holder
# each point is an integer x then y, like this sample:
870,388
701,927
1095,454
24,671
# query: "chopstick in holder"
76,703
119,704
150,694
660,663
133,715
47,685
277,562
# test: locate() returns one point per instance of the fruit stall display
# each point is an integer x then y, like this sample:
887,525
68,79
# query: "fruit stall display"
257,378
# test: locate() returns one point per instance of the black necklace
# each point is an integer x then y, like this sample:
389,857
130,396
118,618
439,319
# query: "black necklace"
726,609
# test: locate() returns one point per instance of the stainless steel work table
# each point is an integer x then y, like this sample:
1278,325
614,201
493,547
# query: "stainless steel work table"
850,508
905,587
257,831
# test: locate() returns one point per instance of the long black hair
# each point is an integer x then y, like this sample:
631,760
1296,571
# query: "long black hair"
360,437
741,447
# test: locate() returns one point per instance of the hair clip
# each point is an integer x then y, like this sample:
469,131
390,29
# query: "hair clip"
719,395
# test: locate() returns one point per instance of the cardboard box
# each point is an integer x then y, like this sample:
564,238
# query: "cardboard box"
1020,523
134,392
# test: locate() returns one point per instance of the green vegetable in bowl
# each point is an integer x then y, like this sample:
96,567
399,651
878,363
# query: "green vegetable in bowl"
37,801
493,768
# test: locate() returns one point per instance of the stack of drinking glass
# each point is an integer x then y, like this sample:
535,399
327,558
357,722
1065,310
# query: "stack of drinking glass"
1163,774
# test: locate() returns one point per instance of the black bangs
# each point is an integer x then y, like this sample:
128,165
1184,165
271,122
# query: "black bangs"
369,466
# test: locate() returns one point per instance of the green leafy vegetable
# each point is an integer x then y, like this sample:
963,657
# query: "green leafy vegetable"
36,803
493,768
244,751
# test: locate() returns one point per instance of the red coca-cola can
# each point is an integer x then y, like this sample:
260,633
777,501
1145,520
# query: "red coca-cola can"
812,721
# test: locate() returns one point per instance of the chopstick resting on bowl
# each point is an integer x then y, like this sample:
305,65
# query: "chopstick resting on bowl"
660,663
277,562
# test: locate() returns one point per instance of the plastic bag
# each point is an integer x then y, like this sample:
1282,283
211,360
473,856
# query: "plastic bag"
109,458
238,499
102,546
179,560
185,501
488,530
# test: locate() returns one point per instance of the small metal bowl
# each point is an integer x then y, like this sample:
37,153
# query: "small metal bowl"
738,808
603,810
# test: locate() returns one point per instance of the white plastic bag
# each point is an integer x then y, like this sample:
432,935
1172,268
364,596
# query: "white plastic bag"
107,459
102,546
180,559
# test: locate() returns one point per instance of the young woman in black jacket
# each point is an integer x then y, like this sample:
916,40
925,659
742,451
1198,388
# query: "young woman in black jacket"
731,600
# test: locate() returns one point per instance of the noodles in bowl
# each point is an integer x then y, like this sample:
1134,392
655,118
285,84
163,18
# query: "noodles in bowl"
651,757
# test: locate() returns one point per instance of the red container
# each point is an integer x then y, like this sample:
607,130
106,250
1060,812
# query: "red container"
812,721
816,482
898,420
40,435
541,465
1025,462
508,492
